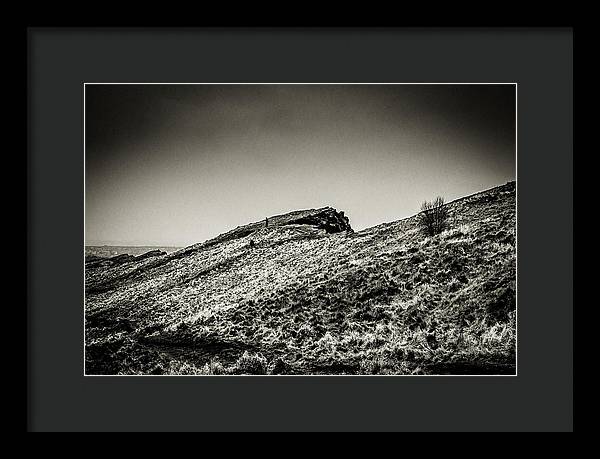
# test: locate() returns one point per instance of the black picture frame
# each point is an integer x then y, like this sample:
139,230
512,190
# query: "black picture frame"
61,398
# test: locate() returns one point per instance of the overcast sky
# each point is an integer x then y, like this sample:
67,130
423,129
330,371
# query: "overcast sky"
179,164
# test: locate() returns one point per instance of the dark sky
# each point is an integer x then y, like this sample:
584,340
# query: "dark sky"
178,164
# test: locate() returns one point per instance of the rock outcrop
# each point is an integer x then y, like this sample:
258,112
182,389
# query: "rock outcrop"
325,218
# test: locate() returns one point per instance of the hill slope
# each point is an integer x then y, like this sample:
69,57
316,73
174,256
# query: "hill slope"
307,295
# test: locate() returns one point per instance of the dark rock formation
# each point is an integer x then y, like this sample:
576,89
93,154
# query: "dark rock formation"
152,253
123,258
326,218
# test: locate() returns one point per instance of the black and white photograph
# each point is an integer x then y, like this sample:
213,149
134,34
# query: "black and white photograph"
300,229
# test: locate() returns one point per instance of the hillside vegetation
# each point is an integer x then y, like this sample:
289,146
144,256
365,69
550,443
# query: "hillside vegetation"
307,295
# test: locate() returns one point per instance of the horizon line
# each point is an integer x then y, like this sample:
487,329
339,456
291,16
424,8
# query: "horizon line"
296,210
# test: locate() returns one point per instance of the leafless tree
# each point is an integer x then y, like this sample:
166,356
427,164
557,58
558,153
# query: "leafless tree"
433,218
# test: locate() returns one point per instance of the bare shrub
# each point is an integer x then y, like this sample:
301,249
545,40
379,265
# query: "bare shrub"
213,368
251,364
433,218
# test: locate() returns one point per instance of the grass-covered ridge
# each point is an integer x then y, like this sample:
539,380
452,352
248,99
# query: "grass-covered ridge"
309,296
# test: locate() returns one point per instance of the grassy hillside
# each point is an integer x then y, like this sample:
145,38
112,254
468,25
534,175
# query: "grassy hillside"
310,296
